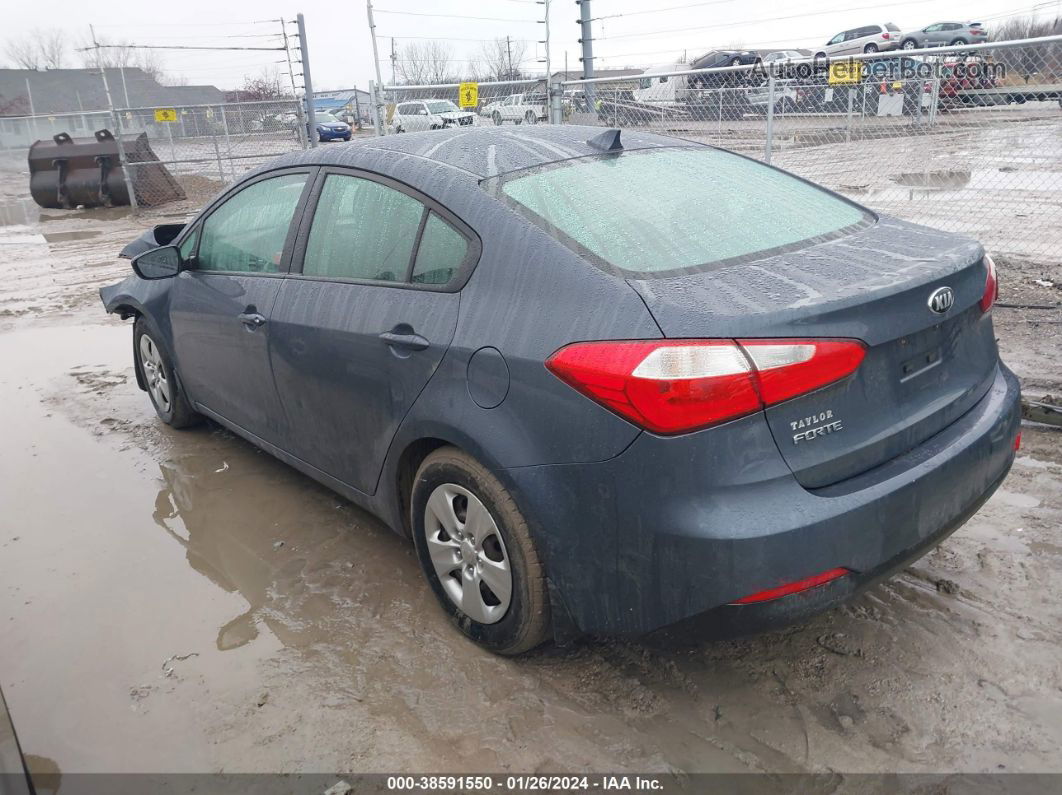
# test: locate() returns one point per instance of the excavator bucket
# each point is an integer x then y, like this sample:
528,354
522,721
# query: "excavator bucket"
67,172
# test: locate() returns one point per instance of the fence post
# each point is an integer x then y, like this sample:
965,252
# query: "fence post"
770,121
217,154
848,125
374,100
307,82
228,141
556,108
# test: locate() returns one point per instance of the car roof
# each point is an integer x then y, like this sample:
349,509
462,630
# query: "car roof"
479,151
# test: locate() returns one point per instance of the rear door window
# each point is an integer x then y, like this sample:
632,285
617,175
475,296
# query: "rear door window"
362,230
442,251
664,211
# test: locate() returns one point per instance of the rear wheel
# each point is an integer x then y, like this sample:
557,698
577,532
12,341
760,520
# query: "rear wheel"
476,550
157,373
872,47
531,118
957,42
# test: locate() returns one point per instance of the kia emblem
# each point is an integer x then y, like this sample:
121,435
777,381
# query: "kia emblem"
941,300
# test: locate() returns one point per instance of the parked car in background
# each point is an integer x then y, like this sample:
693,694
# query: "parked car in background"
785,399
715,59
783,56
527,108
940,34
788,98
868,38
330,128
429,114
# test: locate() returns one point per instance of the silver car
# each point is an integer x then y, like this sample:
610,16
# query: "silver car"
869,38
940,34
429,114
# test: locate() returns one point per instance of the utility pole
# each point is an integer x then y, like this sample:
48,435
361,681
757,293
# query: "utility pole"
300,111
117,123
307,82
587,40
509,50
394,62
377,105
549,75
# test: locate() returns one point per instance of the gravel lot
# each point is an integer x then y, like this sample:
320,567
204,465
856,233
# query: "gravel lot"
174,601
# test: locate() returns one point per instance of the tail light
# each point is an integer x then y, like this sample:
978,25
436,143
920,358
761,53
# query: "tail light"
678,386
1017,442
885,35
991,292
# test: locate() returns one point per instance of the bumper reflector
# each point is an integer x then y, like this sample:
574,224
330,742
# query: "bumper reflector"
1017,441
792,587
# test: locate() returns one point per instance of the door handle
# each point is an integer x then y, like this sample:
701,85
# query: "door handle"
251,319
413,342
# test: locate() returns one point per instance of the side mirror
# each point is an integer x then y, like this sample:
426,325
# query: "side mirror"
159,263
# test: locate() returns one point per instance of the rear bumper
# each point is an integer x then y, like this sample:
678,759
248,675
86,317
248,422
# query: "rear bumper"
674,528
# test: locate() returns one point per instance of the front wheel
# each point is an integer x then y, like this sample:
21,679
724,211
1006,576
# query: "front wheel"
156,372
477,553
909,44
496,118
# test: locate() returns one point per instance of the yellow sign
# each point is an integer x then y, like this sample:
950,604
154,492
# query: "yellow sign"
469,95
845,72
165,114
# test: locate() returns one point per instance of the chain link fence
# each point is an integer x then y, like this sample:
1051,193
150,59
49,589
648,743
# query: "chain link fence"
415,108
967,139
202,147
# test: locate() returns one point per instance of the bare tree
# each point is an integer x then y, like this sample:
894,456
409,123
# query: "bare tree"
1025,62
265,86
502,58
41,48
425,63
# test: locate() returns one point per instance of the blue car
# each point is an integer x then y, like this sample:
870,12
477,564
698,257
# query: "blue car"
329,128
595,398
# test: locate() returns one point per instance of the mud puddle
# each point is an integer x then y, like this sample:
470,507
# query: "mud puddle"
158,584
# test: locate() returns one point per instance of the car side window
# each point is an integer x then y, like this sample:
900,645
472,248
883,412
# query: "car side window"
246,234
404,110
187,248
441,252
362,230
933,28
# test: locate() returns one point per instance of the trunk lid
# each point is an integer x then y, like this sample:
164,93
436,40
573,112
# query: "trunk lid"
921,372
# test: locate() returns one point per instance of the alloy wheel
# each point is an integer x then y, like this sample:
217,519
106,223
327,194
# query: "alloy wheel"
154,373
468,553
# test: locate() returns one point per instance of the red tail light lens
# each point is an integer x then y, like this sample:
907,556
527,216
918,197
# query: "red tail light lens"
991,292
885,36
792,587
678,386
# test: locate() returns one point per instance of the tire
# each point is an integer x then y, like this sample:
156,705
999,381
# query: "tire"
496,118
447,483
957,42
909,44
820,55
872,47
531,118
154,365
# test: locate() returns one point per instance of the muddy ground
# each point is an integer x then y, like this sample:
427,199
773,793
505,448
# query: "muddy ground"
179,601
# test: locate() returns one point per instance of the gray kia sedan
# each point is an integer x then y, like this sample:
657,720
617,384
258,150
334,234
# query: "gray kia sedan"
596,397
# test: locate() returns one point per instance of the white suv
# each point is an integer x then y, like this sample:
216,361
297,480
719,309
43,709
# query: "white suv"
869,38
529,108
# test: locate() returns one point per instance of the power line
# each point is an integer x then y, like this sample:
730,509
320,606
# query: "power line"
447,38
454,16
660,10
752,21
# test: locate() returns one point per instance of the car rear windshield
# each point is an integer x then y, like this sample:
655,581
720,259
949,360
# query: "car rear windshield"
662,211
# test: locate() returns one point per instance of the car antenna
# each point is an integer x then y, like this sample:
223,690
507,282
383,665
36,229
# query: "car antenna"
608,141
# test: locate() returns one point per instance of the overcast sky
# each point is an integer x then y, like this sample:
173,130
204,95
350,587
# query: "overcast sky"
626,35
